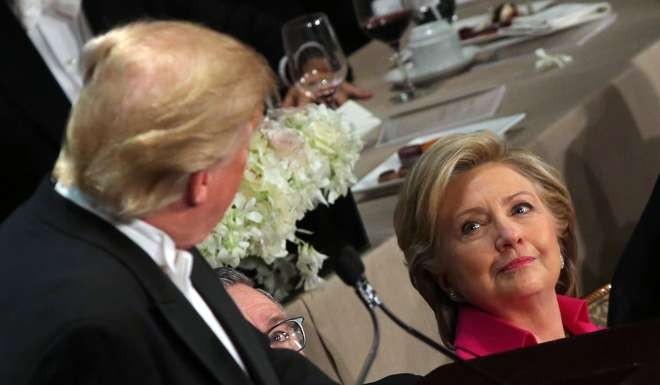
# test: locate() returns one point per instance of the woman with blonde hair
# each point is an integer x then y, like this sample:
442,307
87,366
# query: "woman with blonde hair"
489,236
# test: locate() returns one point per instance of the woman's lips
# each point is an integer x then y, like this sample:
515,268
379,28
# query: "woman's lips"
516,263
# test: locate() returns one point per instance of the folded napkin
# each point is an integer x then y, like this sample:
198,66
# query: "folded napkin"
359,117
558,17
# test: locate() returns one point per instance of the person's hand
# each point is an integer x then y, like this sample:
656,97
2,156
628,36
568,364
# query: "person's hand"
295,97
349,91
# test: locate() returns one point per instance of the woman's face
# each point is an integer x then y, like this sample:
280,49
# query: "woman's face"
497,240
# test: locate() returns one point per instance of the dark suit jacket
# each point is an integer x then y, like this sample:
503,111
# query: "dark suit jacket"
33,112
635,294
82,304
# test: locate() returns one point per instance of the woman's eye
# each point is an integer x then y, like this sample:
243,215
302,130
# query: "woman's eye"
470,228
522,208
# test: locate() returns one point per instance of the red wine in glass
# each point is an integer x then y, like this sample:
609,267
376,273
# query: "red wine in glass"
390,27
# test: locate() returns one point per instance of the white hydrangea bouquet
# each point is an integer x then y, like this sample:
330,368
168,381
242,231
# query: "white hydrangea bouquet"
299,158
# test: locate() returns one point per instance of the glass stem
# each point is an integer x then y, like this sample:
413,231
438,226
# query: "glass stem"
408,91
327,97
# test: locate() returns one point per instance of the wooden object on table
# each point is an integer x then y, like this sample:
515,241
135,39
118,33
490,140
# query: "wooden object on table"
623,355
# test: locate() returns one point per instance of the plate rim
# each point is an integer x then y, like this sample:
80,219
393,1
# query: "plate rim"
469,54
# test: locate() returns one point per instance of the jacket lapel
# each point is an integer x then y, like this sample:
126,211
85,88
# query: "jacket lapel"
203,342
176,309
250,343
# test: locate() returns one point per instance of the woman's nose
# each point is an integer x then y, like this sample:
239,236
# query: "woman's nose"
508,235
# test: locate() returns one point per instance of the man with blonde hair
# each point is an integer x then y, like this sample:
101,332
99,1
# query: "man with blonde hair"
99,282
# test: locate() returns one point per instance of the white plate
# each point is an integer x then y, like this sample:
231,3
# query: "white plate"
370,181
395,76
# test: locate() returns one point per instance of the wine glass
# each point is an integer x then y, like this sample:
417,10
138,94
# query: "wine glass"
315,61
387,20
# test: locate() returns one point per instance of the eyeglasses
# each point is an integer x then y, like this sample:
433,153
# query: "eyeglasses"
288,334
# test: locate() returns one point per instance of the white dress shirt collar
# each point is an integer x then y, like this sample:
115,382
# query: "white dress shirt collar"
155,242
176,264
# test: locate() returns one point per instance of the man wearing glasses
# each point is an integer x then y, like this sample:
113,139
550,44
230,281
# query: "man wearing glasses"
263,311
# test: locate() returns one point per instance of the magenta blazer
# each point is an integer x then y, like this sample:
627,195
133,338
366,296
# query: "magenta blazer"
479,333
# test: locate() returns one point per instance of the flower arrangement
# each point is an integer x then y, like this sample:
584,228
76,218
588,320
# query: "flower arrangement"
299,158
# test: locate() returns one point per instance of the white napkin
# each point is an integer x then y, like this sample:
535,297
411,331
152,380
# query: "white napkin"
545,61
559,17
359,117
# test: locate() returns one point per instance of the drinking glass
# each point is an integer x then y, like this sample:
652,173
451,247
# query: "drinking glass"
387,20
315,62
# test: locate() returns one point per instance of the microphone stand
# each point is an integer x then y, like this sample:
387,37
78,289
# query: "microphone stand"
370,300
350,269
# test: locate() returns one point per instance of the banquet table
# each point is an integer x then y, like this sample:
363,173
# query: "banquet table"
597,120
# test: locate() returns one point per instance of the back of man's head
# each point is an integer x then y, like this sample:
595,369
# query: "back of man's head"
161,100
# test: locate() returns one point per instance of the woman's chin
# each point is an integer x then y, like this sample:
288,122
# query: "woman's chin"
523,283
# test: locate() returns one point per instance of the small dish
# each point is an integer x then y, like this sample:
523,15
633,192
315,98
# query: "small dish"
395,76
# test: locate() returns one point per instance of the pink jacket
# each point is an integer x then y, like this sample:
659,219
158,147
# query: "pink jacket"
479,333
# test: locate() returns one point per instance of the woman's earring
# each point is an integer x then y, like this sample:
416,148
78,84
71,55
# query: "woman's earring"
561,261
452,295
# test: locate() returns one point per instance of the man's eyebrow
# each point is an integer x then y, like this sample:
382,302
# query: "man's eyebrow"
276,319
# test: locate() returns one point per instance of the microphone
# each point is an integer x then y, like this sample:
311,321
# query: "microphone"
350,269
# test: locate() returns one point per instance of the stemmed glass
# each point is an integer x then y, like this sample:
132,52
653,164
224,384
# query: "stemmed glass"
387,20
315,61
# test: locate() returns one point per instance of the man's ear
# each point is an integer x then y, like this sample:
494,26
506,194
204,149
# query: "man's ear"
198,188
256,119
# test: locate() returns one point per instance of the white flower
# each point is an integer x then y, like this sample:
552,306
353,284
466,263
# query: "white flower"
286,141
298,159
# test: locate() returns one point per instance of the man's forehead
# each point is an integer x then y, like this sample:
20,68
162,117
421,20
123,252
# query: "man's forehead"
256,306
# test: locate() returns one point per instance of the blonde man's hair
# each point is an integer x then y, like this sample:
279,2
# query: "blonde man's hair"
416,215
161,100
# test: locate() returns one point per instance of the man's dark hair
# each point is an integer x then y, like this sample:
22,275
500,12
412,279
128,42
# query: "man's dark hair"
231,277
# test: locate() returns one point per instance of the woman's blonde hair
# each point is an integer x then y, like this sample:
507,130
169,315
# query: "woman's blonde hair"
416,215
161,100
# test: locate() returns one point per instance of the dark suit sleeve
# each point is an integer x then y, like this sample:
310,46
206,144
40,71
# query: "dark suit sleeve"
399,379
294,369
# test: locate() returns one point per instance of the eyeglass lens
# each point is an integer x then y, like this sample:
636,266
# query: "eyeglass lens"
287,335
